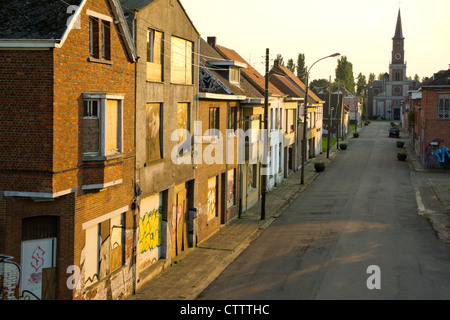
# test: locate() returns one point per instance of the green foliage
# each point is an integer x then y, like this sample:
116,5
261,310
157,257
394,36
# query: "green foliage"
344,74
301,68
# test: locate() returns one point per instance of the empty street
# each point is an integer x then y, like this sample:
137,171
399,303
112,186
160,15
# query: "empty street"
360,212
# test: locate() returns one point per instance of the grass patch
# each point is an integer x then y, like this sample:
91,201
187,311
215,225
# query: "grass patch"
325,143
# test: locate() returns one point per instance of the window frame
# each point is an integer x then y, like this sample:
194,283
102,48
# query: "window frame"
99,37
161,136
151,64
443,107
103,153
188,68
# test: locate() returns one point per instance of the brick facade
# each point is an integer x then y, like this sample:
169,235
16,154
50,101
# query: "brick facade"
42,172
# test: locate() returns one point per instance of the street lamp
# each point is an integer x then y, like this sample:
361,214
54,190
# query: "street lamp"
305,112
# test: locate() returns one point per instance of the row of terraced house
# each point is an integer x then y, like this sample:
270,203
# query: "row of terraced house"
126,141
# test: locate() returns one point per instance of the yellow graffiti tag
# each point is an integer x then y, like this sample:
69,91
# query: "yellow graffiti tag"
150,230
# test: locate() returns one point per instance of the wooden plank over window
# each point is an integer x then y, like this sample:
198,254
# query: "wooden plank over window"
112,126
181,61
154,55
154,132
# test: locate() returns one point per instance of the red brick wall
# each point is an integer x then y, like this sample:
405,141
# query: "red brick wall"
26,116
434,128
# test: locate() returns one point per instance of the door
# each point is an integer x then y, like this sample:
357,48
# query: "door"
38,277
179,221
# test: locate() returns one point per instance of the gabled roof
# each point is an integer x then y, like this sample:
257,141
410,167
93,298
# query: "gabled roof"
47,23
131,6
250,73
285,80
34,19
439,79
208,58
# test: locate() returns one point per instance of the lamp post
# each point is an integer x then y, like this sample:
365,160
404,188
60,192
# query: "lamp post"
305,113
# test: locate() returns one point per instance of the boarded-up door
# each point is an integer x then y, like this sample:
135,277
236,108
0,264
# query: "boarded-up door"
179,221
38,268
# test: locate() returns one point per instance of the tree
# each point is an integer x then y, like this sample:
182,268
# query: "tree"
319,85
371,77
361,84
380,76
301,69
416,77
290,65
344,74
280,60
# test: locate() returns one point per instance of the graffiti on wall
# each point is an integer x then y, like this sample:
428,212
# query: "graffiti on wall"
9,277
212,183
150,230
437,155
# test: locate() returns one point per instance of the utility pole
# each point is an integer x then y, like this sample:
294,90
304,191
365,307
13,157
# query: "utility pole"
266,141
339,121
329,119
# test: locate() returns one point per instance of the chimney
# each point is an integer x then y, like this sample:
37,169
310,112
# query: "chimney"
212,41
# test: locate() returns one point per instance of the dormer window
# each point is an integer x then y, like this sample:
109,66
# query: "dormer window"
233,68
235,74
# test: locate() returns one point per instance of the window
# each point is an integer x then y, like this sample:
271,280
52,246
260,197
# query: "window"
397,76
155,55
231,188
181,61
183,123
104,248
232,118
444,107
91,127
102,124
214,118
99,37
234,75
212,198
252,174
154,136
93,38
106,40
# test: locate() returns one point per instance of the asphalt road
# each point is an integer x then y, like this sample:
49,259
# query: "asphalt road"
360,212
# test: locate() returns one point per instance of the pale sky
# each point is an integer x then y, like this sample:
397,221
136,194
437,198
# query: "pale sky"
362,30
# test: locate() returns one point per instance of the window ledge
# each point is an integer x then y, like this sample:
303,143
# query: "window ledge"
102,158
92,59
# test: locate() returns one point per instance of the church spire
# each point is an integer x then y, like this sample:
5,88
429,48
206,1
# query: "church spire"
398,28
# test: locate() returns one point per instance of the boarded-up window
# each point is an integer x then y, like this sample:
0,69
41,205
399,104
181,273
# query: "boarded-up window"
112,126
183,126
231,188
212,198
181,61
154,131
91,126
155,55
104,248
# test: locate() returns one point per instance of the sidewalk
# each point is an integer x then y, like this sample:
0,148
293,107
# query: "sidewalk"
432,190
186,279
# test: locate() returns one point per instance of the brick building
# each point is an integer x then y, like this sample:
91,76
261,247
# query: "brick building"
431,132
222,96
67,161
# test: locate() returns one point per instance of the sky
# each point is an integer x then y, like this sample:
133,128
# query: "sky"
361,30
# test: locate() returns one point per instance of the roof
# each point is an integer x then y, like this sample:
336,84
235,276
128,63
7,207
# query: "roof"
398,27
222,85
285,80
47,22
131,6
439,79
34,19
251,74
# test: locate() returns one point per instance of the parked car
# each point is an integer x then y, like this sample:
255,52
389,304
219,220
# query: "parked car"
394,132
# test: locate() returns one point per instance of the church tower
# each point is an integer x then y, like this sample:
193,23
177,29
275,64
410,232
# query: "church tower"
397,68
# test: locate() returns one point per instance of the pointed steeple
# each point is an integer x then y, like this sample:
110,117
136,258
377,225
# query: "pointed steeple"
398,28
